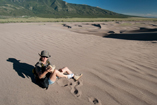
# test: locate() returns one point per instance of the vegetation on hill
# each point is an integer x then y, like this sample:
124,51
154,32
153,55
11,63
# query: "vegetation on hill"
38,19
53,9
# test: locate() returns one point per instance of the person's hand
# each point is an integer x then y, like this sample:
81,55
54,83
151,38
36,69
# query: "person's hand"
48,69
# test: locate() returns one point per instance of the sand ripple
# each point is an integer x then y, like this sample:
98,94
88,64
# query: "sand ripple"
117,70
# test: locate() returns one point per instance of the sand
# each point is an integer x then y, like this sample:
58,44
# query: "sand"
118,61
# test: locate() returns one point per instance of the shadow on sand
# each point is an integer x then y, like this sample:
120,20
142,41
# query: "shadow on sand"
143,34
97,25
65,25
23,69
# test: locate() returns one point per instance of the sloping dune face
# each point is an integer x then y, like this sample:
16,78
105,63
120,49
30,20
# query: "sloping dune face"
116,71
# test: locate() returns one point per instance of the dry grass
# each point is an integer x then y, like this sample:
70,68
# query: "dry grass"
37,19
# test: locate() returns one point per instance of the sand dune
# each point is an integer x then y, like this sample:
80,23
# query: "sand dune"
118,60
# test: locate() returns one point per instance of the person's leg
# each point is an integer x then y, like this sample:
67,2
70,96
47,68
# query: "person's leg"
66,70
55,74
70,74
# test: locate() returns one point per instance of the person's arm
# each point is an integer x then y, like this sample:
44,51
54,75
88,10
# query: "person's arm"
39,72
41,75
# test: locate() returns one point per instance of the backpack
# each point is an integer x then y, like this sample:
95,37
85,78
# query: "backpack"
44,81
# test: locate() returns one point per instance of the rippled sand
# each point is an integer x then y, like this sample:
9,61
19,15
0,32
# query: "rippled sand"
118,60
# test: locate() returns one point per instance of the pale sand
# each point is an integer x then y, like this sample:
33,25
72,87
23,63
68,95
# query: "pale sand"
118,70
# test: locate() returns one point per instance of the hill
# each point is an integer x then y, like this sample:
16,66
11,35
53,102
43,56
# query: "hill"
52,9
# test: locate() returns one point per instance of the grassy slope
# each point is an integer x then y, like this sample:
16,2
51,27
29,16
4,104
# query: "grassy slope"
37,19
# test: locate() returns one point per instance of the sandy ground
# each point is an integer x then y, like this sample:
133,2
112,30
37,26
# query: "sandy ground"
118,60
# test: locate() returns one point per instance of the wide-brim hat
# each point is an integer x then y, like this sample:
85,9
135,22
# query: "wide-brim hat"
45,54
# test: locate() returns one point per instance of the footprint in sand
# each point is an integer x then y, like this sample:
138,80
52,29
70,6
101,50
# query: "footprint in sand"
74,88
95,101
74,85
63,82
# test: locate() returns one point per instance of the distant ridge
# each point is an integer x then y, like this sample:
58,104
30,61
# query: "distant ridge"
54,9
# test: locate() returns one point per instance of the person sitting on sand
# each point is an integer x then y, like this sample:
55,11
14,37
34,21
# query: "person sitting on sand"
46,73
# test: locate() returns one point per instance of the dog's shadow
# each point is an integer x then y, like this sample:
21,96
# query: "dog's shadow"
24,70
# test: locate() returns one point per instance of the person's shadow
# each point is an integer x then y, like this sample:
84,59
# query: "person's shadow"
23,69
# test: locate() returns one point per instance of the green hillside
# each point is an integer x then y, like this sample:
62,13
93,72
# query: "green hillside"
52,9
